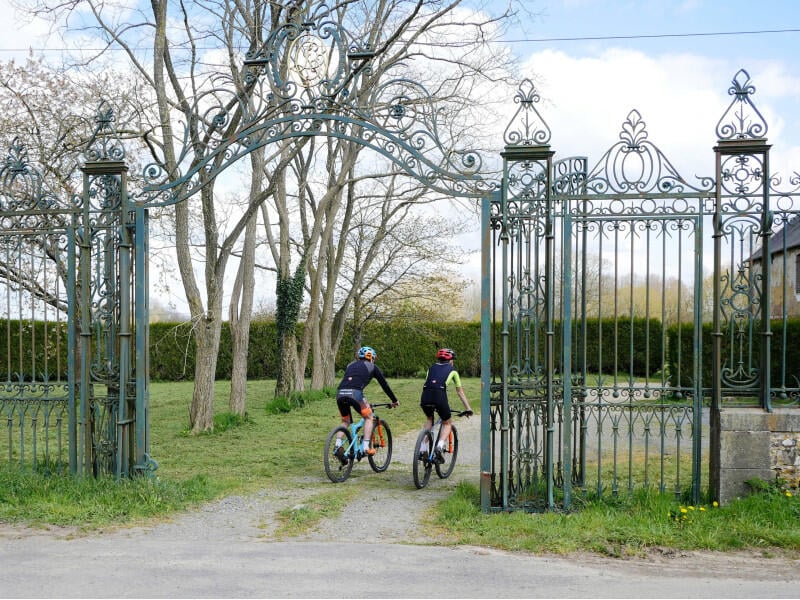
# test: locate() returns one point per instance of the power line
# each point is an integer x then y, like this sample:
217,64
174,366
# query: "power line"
648,36
511,41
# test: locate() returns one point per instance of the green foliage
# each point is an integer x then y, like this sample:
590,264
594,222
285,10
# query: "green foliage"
297,399
33,345
289,299
405,349
227,420
618,345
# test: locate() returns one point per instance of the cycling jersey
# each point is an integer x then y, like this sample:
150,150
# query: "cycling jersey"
434,391
357,376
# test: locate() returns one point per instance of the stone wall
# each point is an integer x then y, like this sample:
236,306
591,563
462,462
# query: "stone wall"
754,444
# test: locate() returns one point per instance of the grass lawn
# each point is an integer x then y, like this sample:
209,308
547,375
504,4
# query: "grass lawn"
284,449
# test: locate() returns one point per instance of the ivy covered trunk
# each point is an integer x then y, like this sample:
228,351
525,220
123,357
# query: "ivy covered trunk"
289,292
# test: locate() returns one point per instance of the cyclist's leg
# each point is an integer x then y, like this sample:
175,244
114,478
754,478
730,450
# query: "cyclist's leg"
368,427
366,412
339,446
343,403
443,409
429,410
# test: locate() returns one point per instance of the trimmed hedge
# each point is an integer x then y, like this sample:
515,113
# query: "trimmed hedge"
28,348
404,349
638,344
684,349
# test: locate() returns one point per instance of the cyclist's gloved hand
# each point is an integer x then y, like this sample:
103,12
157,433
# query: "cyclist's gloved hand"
394,404
468,413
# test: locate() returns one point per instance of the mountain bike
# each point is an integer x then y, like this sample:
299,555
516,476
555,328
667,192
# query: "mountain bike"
425,460
338,467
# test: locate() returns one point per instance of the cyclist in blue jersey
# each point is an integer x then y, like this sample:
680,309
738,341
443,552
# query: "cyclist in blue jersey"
350,395
434,397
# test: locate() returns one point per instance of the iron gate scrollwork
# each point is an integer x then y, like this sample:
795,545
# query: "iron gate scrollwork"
73,283
609,349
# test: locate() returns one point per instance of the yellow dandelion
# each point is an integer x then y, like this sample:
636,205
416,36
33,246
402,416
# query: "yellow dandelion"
691,508
788,494
715,503
683,510
702,509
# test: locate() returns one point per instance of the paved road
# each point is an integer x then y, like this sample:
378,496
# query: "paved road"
228,550
143,566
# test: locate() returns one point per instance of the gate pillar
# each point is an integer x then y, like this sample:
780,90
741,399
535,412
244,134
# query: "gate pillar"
521,392
741,361
112,297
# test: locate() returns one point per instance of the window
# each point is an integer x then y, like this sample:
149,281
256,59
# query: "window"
797,273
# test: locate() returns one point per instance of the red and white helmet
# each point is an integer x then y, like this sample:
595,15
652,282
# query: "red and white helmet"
445,354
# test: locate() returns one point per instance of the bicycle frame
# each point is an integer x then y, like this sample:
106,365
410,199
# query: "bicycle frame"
437,427
425,460
357,434
339,459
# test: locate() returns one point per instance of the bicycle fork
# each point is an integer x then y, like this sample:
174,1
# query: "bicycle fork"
381,436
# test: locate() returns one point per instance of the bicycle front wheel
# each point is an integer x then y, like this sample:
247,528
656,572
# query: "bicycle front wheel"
422,456
444,469
382,442
338,469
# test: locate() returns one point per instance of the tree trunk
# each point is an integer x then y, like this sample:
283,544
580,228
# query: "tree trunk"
201,413
241,304
241,312
285,382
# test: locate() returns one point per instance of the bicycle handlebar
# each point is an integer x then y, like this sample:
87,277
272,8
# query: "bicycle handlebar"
381,405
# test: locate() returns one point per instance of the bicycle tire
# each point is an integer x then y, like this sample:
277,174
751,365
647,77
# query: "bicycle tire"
422,464
444,469
382,443
337,471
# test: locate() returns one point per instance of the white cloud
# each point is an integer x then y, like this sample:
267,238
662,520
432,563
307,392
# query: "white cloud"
681,97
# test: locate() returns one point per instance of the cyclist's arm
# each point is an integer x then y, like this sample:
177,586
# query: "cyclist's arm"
455,379
385,386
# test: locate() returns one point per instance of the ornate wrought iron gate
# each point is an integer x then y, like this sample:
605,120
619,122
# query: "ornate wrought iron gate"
598,375
73,285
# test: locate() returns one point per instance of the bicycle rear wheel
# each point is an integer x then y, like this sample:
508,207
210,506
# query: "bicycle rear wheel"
382,442
422,462
451,452
338,469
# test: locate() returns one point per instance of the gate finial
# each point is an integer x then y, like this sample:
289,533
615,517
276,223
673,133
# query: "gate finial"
527,127
741,120
105,144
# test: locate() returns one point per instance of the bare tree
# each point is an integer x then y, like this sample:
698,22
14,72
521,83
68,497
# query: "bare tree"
193,45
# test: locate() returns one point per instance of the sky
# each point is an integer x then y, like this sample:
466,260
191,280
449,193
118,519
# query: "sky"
593,61
678,81
677,77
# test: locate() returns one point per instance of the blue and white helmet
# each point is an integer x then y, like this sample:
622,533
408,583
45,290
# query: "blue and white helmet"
368,353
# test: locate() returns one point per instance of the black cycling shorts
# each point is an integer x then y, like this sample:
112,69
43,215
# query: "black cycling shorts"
347,399
435,399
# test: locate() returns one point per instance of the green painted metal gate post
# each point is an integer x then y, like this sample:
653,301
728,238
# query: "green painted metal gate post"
486,333
142,460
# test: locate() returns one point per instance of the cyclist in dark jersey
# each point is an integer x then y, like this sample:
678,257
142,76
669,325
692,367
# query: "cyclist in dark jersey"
434,397
350,395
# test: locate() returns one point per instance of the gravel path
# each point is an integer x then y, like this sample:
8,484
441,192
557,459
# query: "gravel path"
386,504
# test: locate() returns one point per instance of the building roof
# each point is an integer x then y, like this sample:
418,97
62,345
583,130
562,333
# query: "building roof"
776,241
